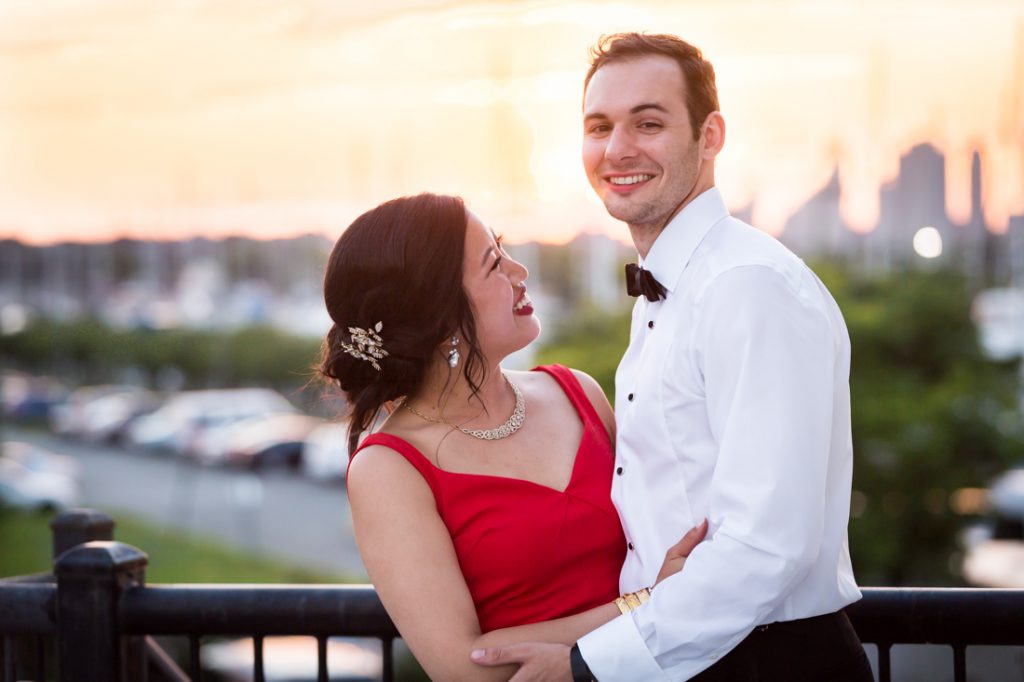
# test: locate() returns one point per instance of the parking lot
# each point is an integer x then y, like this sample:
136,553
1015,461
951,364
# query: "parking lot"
274,512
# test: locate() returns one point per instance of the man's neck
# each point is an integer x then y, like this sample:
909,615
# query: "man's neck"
645,234
644,237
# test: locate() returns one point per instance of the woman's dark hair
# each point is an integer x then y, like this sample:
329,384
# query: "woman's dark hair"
399,264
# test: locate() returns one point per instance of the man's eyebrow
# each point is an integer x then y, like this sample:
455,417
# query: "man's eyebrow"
649,105
635,110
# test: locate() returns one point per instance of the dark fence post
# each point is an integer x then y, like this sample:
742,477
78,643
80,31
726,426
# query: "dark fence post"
25,657
90,580
79,526
22,658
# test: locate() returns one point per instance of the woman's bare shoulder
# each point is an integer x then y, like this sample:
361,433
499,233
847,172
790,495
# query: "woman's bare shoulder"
378,469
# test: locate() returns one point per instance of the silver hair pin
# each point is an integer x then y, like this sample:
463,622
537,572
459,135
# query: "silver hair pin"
367,346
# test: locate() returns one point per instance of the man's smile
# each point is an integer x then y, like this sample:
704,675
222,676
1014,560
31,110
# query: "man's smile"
625,183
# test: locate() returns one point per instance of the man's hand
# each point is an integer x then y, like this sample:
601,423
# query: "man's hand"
537,661
676,556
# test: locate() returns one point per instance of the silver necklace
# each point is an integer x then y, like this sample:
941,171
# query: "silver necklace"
513,424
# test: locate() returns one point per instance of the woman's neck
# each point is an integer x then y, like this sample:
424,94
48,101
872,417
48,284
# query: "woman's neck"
447,395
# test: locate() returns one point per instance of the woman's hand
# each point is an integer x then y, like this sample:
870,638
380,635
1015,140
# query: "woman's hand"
676,555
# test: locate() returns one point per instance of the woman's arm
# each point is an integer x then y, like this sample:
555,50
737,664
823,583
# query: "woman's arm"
564,630
409,556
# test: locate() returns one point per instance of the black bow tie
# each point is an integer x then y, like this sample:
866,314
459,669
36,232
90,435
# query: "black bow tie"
640,281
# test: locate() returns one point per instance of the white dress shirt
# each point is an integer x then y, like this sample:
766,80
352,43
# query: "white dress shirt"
732,403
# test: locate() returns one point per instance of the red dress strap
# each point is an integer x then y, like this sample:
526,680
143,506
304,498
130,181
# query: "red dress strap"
411,453
577,396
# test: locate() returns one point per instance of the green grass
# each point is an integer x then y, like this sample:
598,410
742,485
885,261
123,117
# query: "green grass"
174,557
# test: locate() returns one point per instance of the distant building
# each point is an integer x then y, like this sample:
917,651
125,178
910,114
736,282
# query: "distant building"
197,283
915,199
237,281
972,242
1015,247
817,227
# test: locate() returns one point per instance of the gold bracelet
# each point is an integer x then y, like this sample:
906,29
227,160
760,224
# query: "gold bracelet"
632,600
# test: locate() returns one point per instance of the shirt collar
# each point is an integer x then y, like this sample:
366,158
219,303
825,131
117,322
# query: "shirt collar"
673,248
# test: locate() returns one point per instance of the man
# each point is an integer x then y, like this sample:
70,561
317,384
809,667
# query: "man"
732,403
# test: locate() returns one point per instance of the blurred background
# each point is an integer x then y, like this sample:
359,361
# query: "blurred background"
173,175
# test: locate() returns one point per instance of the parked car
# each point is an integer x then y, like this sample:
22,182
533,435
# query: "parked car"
262,440
325,453
994,554
68,417
177,426
33,478
107,418
29,398
101,413
38,458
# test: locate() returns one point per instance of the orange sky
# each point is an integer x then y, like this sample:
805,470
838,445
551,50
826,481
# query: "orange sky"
277,117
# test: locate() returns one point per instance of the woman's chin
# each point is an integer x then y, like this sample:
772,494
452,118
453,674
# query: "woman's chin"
535,323
526,342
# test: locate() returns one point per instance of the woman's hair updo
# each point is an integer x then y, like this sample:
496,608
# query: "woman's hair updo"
399,264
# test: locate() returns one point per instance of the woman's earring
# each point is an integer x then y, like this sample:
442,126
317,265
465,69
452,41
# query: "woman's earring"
453,353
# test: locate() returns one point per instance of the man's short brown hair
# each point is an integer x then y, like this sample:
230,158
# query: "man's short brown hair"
701,92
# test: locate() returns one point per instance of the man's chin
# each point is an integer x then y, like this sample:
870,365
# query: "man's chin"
628,213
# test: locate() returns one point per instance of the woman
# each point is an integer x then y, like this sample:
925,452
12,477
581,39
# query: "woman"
481,507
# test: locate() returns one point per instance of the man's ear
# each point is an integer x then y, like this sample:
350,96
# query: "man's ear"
712,137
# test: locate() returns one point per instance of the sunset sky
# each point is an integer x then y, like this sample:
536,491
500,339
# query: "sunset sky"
279,117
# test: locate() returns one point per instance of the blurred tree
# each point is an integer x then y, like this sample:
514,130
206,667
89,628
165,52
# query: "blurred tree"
931,414
593,341
89,352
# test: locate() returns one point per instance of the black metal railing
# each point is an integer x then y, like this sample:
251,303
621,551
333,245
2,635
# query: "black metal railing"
955,617
96,617
259,611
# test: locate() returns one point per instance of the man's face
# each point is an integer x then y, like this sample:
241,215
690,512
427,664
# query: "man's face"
638,147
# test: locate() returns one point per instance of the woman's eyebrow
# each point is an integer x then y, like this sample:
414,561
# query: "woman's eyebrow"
487,253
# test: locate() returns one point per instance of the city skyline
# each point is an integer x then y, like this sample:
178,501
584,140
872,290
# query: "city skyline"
229,283
279,118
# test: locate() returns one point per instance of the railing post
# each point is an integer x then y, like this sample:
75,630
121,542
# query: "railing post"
90,579
22,658
78,526
25,657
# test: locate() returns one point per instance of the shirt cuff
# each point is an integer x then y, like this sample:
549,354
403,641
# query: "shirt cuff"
616,652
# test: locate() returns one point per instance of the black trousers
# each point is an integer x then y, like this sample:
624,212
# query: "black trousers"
819,649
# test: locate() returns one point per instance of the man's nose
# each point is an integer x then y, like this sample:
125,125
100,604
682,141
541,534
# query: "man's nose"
621,145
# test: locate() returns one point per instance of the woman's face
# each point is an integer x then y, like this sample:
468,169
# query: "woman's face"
496,287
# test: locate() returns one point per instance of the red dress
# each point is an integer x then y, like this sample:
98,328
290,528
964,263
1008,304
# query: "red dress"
530,553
